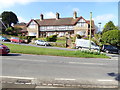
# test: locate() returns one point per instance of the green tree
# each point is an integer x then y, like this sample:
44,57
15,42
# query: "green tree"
109,26
8,18
112,37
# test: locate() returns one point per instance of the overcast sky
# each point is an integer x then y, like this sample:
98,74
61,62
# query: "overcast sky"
103,11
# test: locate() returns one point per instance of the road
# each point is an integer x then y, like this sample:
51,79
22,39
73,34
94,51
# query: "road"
56,70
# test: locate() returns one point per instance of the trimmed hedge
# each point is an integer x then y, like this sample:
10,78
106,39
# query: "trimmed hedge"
52,38
112,37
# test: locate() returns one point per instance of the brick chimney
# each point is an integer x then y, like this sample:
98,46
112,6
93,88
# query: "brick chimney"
75,15
41,17
57,16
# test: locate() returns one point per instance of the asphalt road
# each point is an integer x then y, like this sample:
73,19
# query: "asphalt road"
54,70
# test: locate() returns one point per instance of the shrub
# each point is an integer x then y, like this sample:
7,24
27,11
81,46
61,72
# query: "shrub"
55,44
78,36
112,37
51,38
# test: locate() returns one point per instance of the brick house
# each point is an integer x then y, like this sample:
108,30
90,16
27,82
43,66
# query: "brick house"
61,26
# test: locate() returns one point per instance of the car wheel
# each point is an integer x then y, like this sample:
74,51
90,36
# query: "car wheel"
107,51
80,48
45,45
119,52
36,44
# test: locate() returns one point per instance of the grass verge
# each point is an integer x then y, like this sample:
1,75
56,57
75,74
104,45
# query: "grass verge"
14,48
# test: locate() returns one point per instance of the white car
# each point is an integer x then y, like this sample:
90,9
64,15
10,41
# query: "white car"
41,42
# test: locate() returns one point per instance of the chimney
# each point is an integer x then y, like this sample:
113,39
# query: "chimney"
41,17
57,16
75,15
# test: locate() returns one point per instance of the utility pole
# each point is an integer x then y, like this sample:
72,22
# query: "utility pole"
90,30
99,26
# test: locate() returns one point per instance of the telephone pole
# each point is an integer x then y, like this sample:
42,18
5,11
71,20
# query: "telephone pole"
90,29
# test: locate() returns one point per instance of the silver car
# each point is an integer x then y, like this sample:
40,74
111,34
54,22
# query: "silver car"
42,43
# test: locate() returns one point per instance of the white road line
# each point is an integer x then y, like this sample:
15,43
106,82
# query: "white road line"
85,63
26,60
16,77
70,79
105,80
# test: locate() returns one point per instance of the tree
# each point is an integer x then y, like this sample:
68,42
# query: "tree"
109,26
112,37
8,18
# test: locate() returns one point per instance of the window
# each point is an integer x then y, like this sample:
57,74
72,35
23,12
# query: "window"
80,24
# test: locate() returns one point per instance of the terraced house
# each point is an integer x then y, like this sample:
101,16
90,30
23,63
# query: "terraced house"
61,26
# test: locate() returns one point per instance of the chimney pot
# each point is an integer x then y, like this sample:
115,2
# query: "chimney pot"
75,15
41,17
57,16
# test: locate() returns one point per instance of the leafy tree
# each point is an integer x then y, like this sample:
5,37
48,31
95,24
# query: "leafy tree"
109,26
112,37
8,18
9,30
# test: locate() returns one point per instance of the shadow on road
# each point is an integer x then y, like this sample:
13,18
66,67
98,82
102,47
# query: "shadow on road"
116,75
12,55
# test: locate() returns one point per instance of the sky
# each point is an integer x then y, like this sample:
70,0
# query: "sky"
30,9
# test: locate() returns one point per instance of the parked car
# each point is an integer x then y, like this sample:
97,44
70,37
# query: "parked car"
16,40
110,49
4,39
41,42
4,49
82,43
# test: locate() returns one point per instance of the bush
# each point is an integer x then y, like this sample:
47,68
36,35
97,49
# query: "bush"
91,52
112,37
55,44
51,38
78,36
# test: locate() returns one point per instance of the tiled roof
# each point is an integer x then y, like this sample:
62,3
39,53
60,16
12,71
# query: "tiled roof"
54,22
59,22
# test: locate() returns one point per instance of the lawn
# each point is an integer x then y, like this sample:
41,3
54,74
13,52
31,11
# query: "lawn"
15,48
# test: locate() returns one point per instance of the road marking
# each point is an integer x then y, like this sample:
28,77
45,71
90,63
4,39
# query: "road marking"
26,60
86,63
105,80
16,77
70,79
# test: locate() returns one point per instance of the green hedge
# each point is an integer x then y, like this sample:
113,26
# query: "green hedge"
51,38
112,37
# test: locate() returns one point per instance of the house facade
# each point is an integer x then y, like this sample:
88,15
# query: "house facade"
61,26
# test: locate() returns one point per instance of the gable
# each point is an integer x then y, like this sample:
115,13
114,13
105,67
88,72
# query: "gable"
82,20
32,24
81,23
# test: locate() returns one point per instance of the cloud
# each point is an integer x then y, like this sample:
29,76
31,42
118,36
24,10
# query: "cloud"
105,18
49,15
76,9
10,3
